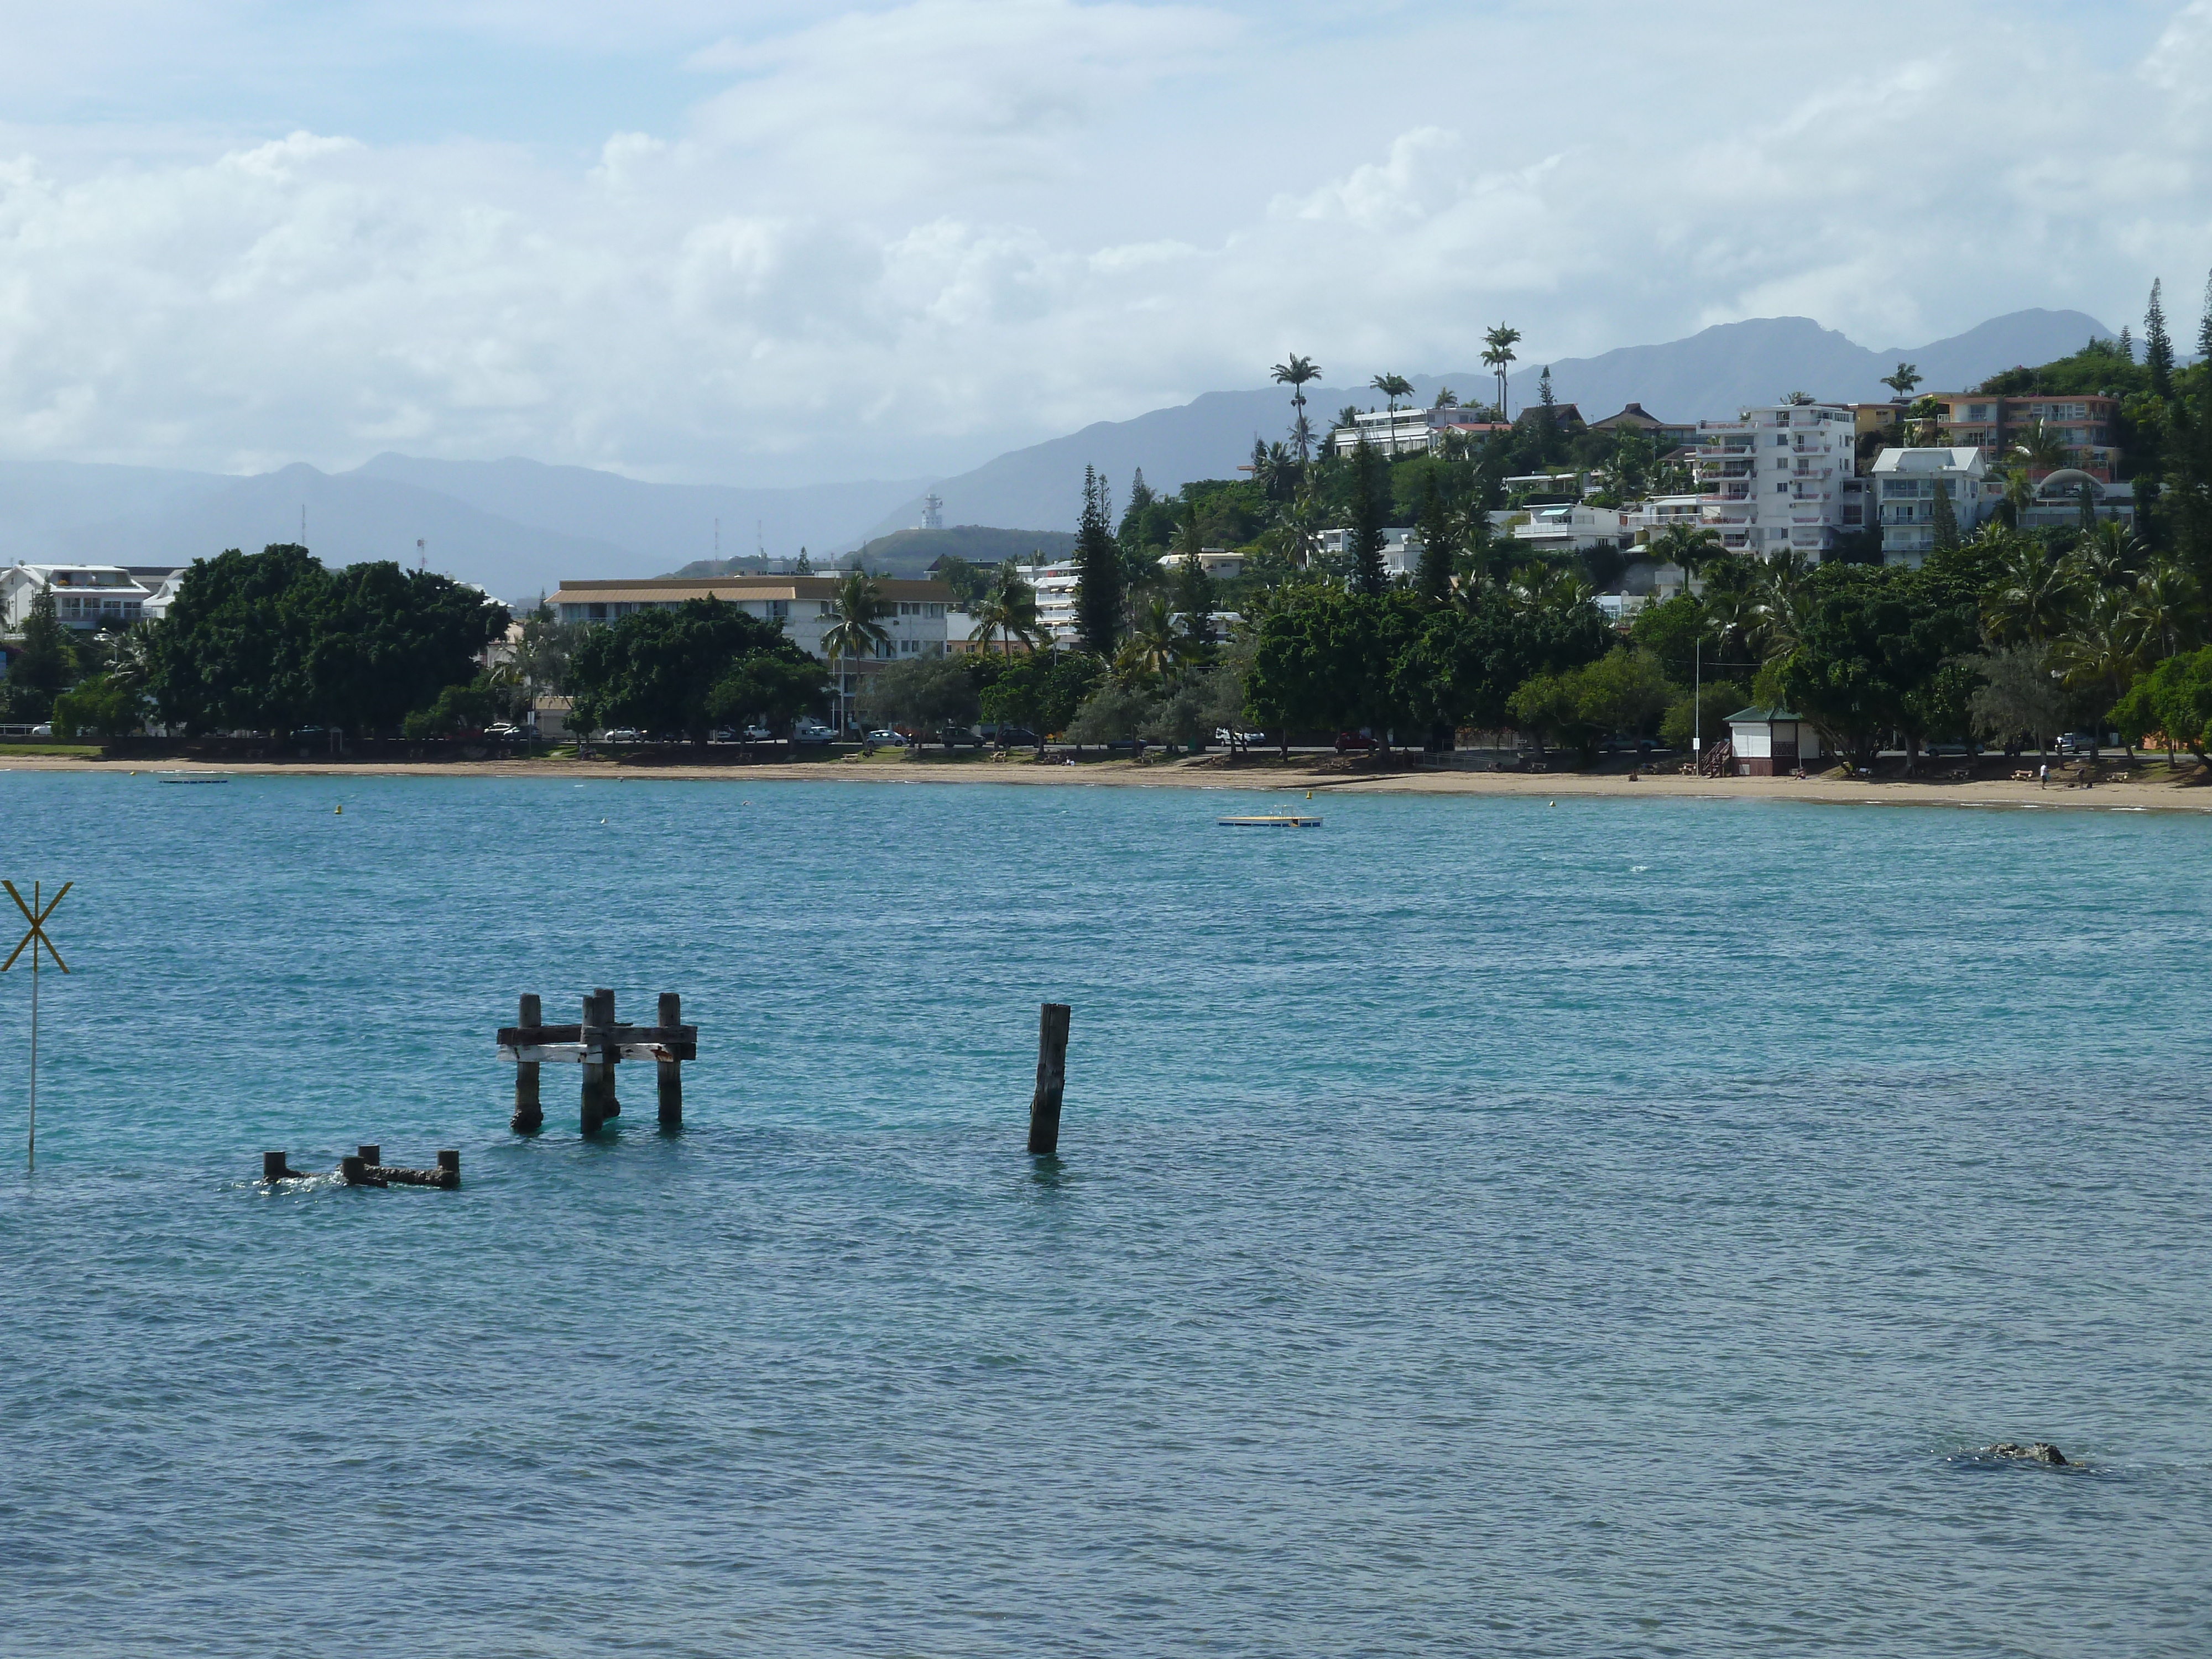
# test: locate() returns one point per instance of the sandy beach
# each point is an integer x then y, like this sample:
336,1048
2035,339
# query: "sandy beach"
2151,786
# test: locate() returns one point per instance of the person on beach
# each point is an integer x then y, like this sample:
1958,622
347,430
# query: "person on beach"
2045,773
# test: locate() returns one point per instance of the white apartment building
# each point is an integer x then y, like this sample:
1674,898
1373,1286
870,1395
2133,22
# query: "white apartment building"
1055,585
1560,530
1781,477
1907,482
1410,431
86,596
1401,548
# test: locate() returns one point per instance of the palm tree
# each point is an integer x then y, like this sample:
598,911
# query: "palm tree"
1152,648
1679,544
1295,374
2166,600
1908,376
2019,493
2106,557
854,629
1446,399
1497,357
1393,387
1785,598
2032,596
2042,449
1008,611
2101,649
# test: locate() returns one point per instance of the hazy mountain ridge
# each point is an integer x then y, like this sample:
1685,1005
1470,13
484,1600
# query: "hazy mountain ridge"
518,527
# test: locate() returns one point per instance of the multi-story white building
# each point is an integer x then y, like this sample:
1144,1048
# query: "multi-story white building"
1907,482
1562,529
86,596
1055,585
1401,548
1411,431
923,619
1779,478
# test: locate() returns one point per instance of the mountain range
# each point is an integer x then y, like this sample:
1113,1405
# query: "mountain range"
518,527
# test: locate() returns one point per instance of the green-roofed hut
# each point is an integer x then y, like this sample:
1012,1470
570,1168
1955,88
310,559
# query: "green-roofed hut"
1771,743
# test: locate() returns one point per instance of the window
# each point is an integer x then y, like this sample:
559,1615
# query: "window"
1782,489
597,612
778,608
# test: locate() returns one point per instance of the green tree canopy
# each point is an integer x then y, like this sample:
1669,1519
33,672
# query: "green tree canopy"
657,670
266,642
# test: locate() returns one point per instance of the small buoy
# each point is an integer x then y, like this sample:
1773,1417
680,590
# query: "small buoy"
1551,803
337,811
1308,794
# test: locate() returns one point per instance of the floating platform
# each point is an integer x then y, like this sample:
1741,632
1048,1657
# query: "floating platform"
1284,821
195,777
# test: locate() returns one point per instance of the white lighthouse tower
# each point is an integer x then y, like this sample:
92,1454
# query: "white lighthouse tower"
932,512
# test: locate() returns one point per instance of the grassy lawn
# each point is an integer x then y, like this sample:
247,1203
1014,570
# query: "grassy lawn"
69,751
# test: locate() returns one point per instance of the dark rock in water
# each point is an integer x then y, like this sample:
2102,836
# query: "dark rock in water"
2042,1451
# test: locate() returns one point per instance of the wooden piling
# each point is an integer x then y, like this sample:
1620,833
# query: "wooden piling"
600,1053
1051,1079
372,1156
355,1172
449,1166
529,1114
671,1072
274,1169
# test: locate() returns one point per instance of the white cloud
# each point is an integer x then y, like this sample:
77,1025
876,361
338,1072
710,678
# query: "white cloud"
896,239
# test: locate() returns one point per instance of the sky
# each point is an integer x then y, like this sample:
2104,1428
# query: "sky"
768,244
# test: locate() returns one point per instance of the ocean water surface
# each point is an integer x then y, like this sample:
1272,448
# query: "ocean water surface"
1481,1227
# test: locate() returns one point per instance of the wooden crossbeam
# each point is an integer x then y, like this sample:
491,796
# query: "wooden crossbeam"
681,1041
532,1054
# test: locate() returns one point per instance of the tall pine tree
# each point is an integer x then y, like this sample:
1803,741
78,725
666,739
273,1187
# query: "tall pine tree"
1097,570
2158,345
1370,505
1438,550
1945,519
2204,326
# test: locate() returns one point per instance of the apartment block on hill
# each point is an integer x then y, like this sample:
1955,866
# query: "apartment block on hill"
2083,424
86,596
1781,478
1411,431
1907,482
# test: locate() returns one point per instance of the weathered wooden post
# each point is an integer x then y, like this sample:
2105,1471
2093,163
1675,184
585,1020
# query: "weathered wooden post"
529,1114
371,1156
1051,1079
449,1169
357,1171
598,1057
274,1169
670,1069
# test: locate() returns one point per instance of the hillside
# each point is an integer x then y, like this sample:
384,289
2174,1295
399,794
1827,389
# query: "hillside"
910,552
1709,375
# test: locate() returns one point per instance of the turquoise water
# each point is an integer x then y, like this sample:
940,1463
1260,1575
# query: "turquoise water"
1481,1227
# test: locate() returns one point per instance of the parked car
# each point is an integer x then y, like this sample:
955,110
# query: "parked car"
503,729
1238,739
1134,745
811,732
1347,741
1009,737
884,738
622,734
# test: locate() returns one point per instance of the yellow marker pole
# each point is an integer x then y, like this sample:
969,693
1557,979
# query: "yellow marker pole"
36,912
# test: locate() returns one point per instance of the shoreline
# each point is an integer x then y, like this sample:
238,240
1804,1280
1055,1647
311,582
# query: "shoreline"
2157,793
